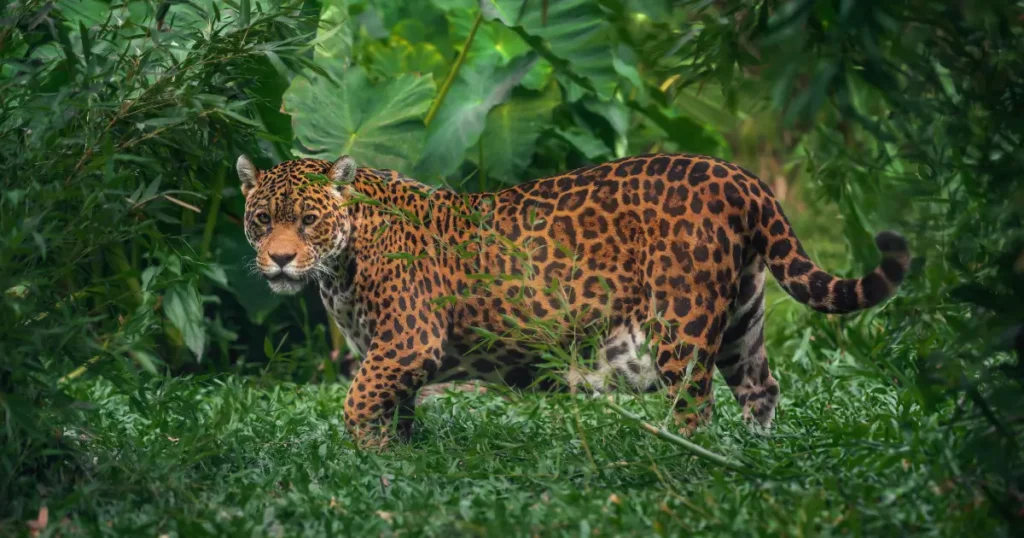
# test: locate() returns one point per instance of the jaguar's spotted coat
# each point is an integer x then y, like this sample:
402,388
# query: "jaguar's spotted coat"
660,258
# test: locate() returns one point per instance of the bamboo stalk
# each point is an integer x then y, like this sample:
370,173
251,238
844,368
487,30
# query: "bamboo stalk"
118,260
213,212
454,72
83,368
78,371
665,435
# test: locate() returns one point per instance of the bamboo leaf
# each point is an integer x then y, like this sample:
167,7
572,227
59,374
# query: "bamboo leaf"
185,312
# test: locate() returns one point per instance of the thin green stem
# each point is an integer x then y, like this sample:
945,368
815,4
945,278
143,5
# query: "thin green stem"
482,171
454,72
96,263
665,435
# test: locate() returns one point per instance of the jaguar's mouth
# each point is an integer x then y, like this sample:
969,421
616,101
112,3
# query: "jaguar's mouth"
284,284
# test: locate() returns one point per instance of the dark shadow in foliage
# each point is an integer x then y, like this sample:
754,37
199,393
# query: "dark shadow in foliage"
117,134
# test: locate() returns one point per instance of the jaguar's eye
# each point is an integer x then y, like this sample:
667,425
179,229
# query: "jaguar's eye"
263,217
308,220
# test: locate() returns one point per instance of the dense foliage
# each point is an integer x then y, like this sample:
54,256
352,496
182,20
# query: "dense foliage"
122,260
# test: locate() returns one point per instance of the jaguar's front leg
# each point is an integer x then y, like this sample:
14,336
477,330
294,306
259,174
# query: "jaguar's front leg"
401,358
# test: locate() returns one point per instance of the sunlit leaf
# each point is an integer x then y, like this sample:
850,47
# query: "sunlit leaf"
334,35
493,43
146,360
574,31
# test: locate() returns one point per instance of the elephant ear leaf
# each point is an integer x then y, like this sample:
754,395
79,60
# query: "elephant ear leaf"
379,125
461,118
574,32
510,138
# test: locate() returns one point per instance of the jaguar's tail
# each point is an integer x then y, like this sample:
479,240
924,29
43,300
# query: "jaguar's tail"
774,239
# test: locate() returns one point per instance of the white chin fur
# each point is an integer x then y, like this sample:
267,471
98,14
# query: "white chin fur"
285,286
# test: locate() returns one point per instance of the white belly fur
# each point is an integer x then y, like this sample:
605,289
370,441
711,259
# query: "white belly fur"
626,355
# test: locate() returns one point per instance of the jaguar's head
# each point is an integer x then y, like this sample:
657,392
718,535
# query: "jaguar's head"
296,223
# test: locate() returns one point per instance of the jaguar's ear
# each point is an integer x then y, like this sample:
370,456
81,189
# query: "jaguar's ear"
342,171
247,174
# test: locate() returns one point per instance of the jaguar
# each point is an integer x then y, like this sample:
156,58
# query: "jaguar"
649,273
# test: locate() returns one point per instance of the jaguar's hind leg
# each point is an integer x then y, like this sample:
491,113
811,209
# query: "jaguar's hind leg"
752,383
689,319
687,369
691,392
742,358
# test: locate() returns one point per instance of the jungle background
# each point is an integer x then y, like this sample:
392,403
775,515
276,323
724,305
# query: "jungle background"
151,386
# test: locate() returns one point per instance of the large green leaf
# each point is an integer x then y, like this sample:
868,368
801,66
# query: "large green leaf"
510,138
185,311
447,5
584,140
399,56
461,118
391,13
335,33
613,114
574,31
495,43
379,125
690,135
268,86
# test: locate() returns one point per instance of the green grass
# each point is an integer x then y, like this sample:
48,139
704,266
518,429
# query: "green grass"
231,457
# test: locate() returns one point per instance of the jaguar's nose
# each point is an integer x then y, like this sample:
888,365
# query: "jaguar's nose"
282,259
